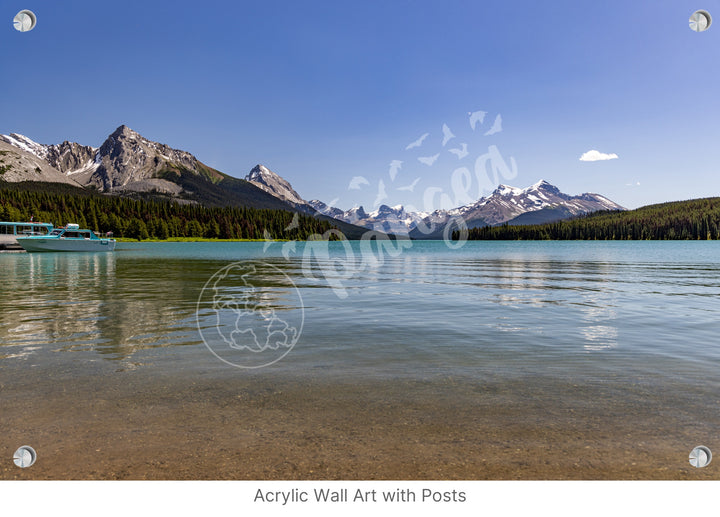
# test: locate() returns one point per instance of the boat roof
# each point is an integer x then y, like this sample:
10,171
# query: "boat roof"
28,223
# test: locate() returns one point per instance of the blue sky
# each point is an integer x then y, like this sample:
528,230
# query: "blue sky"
322,92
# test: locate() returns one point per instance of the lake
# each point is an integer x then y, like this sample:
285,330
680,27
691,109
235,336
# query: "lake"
597,359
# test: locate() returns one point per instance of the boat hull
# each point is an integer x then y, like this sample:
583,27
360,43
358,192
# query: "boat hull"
44,244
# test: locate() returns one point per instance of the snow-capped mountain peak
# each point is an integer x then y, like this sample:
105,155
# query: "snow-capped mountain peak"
68,158
506,190
125,161
540,184
26,144
504,204
272,183
357,213
260,172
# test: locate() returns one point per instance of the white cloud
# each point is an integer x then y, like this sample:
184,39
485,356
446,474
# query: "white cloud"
594,156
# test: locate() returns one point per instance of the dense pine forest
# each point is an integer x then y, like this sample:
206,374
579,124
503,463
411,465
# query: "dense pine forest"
680,220
147,219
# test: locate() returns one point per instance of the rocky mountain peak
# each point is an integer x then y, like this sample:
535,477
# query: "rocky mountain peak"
545,186
120,137
25,143
264,178
357,212
506,190
127,158
502,205
71,157
263,174
124,130
389,211
323,208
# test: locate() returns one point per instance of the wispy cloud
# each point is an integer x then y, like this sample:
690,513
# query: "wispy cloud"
594,155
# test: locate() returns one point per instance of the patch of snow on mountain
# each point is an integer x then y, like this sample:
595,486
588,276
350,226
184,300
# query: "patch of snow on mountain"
90,166
506,190
26,144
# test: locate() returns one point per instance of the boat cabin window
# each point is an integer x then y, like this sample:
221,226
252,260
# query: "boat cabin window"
71,235
22,229
56,232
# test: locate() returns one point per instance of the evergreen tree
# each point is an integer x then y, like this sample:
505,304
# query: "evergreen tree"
141,219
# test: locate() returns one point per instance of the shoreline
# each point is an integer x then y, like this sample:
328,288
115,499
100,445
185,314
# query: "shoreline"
191,239
270,428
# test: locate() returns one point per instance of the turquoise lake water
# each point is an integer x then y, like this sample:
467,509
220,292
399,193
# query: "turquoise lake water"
617,314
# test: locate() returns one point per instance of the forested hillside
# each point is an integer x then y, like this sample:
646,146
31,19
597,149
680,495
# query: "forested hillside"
679,220
143,219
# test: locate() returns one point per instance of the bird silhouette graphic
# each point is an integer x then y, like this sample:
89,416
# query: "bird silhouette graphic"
289,248
357,182
411,187
295,223
460,152
381,195
447,134
475,117
418,142
268,240
496,127
429,160
395,166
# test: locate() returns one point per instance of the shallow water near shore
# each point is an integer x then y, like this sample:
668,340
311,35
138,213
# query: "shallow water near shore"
506,360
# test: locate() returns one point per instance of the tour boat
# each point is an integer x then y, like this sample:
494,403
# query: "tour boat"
68,238
9,232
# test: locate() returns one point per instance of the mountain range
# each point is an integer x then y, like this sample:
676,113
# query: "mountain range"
536,204
539,203
128,164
